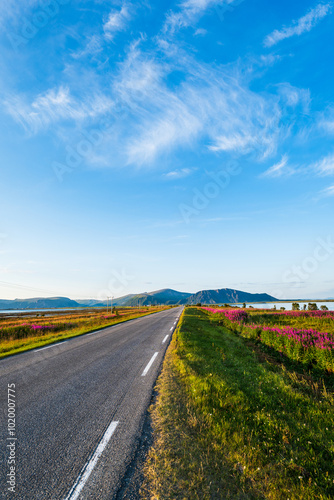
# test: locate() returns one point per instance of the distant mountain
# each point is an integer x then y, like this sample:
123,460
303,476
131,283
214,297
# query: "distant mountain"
165,296
119,301
228,296
38,303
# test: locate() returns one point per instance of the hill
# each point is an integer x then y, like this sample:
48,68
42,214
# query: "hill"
38,303
228,296
166,296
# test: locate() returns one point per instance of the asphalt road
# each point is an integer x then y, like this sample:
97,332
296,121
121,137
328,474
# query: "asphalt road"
79,407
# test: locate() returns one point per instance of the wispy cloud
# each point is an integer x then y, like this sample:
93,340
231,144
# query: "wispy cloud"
325,166
326,120
117,21
279,169
13,10
178,174
93,47
189,13
302,25
53,106
212,105
327,192
294,96
200,32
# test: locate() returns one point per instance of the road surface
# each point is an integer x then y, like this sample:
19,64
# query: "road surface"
79,410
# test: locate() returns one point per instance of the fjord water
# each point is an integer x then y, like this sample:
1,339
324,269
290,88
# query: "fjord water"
288,305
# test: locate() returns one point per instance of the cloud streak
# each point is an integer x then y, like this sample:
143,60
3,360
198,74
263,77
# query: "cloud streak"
302,25
117,21
189,13
55,105
211,105
325,166
327,192
279,169
211,108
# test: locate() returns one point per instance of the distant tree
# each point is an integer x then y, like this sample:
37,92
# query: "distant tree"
304,307
295,306
312,306
244,305
324,308
275,307
282,308
198,304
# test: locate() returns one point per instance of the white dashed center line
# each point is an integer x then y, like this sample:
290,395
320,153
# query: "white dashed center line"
149,364
88,468
164,340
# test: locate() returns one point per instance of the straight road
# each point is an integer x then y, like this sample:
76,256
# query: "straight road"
79,408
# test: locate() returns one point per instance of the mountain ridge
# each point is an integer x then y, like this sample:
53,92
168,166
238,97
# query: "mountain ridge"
166,296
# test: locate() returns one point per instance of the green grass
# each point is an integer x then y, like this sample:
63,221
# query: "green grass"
230,422
16,346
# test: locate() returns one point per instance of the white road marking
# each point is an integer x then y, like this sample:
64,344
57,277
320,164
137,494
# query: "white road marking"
164,340
48,347
149,364
172,328
88,468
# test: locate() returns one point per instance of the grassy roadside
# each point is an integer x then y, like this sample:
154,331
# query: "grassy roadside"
16,346
231,423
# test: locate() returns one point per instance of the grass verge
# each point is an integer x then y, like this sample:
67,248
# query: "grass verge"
231,423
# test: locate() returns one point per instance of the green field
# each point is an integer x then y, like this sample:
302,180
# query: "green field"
235,421
19,333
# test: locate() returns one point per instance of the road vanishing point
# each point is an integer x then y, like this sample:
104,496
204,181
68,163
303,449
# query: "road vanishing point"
80,408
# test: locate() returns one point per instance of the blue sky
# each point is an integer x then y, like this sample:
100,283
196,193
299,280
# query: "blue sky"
182,144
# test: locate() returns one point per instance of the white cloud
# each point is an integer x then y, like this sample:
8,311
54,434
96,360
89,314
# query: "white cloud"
325,166
13,10
279,169
93,47
211,105
327,192
189,12
302,25
326,120
200,32
178,174
53,106
117,21
294,96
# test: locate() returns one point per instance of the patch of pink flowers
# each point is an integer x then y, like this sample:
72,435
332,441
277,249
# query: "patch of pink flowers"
232,315
306,338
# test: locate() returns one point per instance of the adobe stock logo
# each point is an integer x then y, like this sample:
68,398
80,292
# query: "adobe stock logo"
296,275
119,279
76,155
219,181
49,9
221,9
